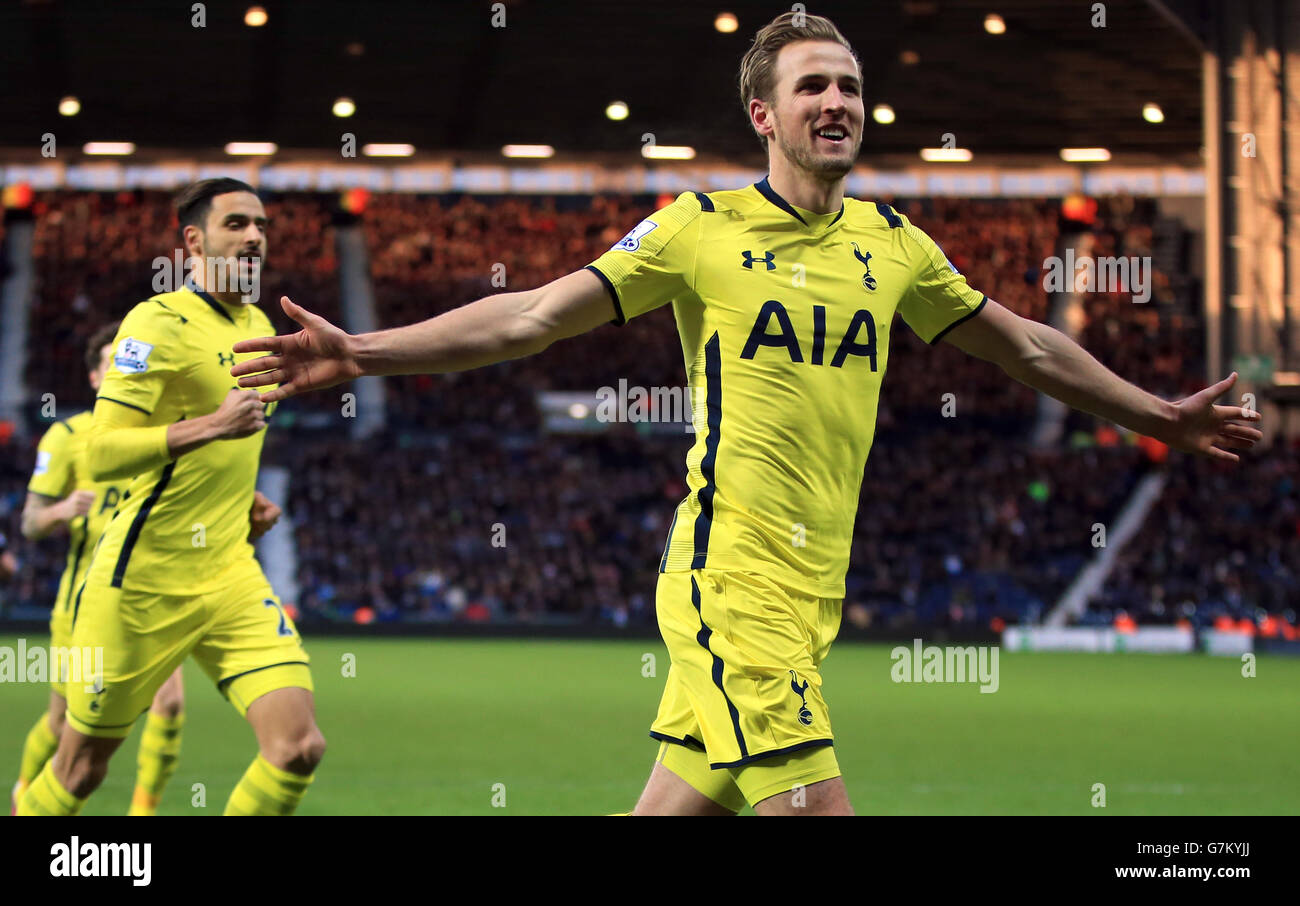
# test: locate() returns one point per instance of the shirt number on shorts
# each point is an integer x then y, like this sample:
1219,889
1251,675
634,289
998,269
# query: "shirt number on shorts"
284,623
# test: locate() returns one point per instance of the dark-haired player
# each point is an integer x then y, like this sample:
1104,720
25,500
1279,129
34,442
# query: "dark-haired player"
174,574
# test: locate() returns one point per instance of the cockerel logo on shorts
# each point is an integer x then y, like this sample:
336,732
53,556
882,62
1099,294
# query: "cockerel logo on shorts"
805,716
96,689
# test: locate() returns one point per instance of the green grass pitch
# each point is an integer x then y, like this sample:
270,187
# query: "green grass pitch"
431,726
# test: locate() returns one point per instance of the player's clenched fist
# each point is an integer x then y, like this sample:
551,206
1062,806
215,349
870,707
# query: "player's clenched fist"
262,516
242,413
78,503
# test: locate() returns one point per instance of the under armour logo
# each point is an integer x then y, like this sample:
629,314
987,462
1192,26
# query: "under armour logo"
224,359
868,281
769,258
805,716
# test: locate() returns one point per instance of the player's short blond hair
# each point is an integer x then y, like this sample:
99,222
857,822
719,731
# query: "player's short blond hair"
758,68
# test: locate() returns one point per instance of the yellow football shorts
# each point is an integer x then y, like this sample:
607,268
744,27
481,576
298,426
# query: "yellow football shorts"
742,707
239,634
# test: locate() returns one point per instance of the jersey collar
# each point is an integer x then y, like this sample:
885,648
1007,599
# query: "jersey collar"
216,306
765,189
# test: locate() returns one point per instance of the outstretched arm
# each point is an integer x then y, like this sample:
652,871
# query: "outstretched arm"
491,330
1042,357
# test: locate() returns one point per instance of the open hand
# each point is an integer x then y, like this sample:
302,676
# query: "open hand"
318,356
1209,430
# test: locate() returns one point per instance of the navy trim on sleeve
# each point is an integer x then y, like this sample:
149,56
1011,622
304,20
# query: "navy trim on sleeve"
619,319
184,320
706,203
963,319
128,405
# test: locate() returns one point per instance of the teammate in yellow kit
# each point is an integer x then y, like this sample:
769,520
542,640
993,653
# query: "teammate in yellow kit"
784,294
62,495
174,574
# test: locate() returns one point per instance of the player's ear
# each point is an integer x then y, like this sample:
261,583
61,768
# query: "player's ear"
760,115
193,237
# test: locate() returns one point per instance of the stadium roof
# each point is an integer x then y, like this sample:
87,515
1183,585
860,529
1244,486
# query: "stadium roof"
440,76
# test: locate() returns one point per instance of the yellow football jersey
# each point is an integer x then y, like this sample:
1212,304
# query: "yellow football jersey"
60,470
181,524
784,317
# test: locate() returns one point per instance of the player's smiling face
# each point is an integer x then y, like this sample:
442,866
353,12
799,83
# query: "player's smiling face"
234,240
816,113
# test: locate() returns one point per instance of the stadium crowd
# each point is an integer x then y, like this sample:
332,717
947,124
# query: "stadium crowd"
1220,543
463,508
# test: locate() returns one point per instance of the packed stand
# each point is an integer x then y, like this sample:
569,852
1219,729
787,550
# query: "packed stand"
1220,548
97,255
976,527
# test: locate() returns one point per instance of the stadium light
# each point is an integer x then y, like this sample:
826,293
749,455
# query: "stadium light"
617,110
668,152
726,23
69,106
392,150
946,155
909,58
17,196
994,24
108,148
255,17
528,151
344,107
883,114
1081,155
1152,113
251,148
